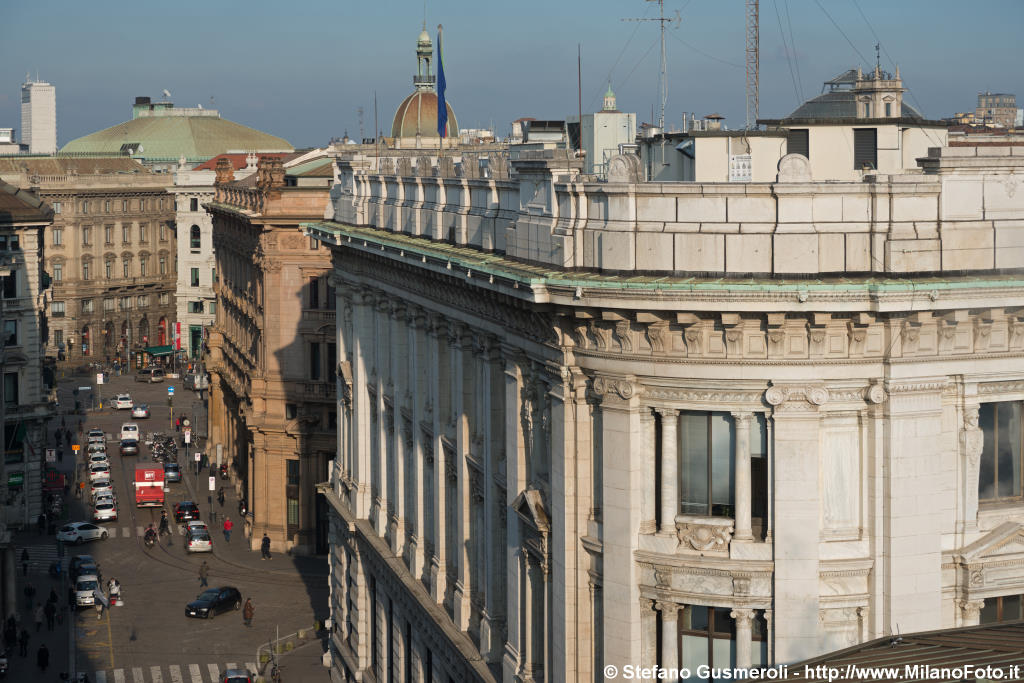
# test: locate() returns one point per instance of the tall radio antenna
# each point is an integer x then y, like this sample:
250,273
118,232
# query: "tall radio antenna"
753,63
663,78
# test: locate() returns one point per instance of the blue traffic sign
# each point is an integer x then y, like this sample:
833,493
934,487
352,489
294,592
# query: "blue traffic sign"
170,391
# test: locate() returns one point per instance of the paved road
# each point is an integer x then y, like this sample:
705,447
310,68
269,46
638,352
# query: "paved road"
150,639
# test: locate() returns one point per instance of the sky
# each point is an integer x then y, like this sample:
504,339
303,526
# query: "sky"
301,70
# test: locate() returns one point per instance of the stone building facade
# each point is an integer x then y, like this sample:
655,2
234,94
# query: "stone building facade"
110,252
271,378
590,424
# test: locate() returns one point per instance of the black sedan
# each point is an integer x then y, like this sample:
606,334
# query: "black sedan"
214,601
185,511
129,446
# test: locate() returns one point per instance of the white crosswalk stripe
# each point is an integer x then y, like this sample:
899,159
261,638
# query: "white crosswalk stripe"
214,672
155,675
137,675
140,531
251,667
126,531
101,677
193,671
175,671
41,557
194,674
118,675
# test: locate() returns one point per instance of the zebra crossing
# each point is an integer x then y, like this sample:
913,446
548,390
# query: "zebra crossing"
42,555
175,673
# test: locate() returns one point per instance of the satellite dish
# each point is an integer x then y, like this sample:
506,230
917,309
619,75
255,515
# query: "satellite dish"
167,93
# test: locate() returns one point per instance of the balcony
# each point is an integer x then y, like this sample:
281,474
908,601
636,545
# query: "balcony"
318,316
323,391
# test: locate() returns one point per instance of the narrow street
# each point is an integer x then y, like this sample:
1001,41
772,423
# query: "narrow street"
150,639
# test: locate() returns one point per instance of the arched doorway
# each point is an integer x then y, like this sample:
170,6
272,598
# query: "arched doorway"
123,346
108,337
162,332
144,332
86,342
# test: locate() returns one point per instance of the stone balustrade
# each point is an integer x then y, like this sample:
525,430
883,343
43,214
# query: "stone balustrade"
959,215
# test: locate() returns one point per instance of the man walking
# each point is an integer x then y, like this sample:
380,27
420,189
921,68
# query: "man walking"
204,573
43,657
40,615
23,643
220,496
228,526
265,547
248,612
24,562
51,613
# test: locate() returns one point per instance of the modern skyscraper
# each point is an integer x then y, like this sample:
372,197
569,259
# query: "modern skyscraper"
38,117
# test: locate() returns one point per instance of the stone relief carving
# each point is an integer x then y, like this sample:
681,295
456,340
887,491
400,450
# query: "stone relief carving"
875,394
703,534
446,167
602,386
622,336
387,166
424,168
794,168
655,333
624,168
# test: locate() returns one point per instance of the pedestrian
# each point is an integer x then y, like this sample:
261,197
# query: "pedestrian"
23,643
265,547
53,592
40,615
220,496
204,573
248,611
72,598
57,435
177,424
24,562
241,507
51,613
30,595
228,526
41,522
60,454
43,658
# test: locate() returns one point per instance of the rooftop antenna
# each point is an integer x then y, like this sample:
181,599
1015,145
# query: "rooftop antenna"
362,135
663,79
753,62
167,94
878,56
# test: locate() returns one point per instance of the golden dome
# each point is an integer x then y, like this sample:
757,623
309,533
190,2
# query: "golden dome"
417,115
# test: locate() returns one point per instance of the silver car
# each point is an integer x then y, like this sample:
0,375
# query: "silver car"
85,589
105,510
198,541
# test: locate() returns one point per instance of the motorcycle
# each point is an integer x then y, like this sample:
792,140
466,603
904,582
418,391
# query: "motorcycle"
150,541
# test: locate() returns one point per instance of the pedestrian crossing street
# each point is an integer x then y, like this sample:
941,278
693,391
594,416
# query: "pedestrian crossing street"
173,673
42,555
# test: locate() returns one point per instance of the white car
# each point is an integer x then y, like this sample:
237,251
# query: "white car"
78,532
129,430
104,510
101,486
140,411
123,402
97,438
104,497
97,448
97,458
198,524
100,470
85,589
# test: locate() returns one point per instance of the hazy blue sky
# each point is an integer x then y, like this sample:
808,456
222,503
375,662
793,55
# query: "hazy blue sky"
301,69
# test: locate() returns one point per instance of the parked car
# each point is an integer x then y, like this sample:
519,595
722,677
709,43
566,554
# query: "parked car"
83,564
140,411
97,453
198,524
123,402
236,676
85,588
97,438
101,486
97,448
172,471
129,430
104,510
198,541
96,433
185,510
213,601
99,470
100,457
143,375
157,375
78,532
129,446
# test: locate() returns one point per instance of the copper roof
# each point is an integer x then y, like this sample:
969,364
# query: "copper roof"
58,165
417,115
21,206
237,160
931,655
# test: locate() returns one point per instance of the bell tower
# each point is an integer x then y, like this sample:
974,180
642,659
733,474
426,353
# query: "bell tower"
424,80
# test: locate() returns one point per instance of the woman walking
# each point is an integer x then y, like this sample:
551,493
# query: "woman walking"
249,611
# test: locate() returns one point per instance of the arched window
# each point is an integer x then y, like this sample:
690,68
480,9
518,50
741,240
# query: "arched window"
195,240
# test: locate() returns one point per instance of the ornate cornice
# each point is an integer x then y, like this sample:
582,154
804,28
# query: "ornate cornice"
1003,387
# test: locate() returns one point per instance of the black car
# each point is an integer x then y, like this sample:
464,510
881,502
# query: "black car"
214,601
83,564
129,447
186,511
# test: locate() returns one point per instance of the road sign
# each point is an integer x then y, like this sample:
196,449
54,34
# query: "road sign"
51,455
188,437
75,447
99,378
198,455
170,391
185,422
85,388
213,483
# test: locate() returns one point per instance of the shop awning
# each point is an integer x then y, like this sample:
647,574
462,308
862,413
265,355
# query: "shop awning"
160,350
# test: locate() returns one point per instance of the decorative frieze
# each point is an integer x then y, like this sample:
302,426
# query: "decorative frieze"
703,534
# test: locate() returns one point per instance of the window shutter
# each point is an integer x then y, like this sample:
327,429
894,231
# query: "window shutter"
865,148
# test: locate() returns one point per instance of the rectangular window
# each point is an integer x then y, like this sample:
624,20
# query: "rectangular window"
57,236
213,275
124,206
14,442
213,308
161,204
195,306
707,637
108,234
332,362
15,246
797,142
163,265
865,148
108,304
143,266
3,242
85,270
293,511
888,109
162,298
293,472
10,391
193,204
124,303
106,206
1002,608
706,470
10,333
58,337
143,301
57,309
108,269
10,285
292,491
314,361
58,272
126,267
56,207
1001,454
314,243
86,305
144,232
86,236
85,207
126,234
195,277
163,233
314,292
867,110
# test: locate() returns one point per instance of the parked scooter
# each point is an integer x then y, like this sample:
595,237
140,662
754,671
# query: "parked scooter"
3,664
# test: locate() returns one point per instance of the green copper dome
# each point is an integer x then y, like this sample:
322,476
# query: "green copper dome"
170,134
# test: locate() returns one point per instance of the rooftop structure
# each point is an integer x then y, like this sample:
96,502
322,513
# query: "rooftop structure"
415,122
38,117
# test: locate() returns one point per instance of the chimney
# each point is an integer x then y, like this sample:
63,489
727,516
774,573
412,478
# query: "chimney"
225,172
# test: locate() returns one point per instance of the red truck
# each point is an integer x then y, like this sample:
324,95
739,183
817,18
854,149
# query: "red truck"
149,485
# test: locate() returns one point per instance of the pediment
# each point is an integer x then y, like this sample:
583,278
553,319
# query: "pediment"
530,507
1005,539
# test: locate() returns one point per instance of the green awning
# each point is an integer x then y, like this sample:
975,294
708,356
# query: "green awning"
160,350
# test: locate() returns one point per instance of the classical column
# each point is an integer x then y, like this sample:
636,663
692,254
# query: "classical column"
379,310
437,327
463,586
972,442
742,479
648,523
669,635
399,379
669,471
648,633
414,322
744,622
529,628
971,611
